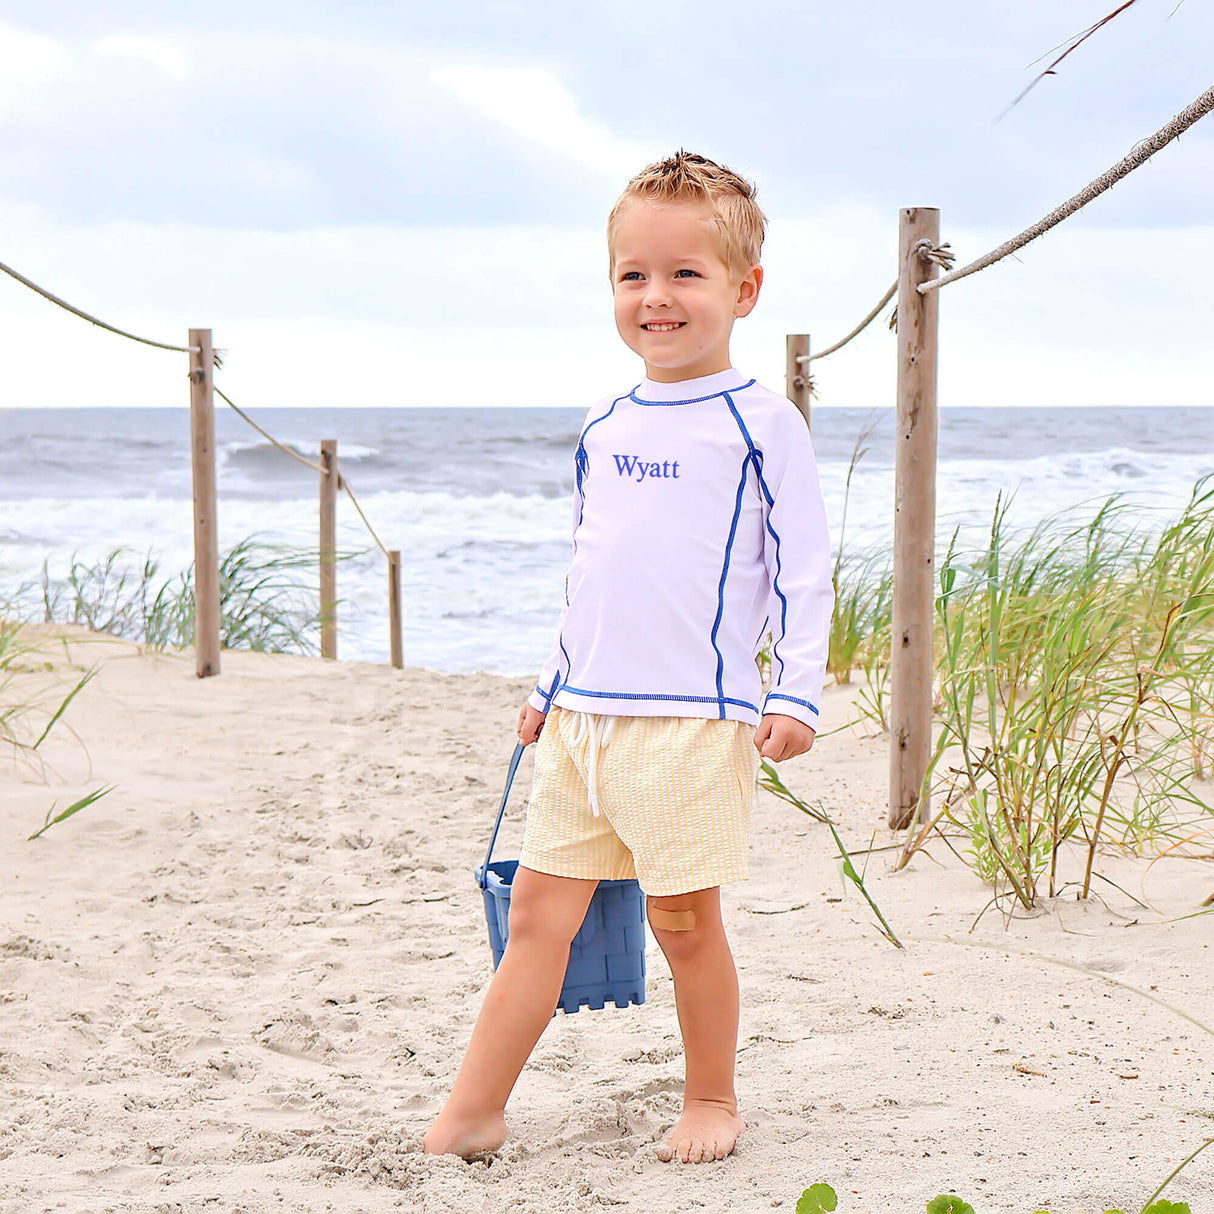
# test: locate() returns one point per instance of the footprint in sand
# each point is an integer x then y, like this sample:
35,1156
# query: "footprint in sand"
295,1033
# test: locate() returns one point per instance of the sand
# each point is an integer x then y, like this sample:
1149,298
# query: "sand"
242,981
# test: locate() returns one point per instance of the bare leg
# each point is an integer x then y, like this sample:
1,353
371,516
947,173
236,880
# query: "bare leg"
545,914
706,995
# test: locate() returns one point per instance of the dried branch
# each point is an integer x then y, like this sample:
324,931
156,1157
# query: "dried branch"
1071,44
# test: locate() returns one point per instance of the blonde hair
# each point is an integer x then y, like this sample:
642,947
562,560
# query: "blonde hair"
686,177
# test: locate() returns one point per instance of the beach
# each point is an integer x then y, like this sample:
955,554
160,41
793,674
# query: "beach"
243,979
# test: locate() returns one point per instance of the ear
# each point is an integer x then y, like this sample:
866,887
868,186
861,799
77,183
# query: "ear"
748,291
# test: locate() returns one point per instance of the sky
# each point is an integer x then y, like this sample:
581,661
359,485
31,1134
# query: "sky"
374,204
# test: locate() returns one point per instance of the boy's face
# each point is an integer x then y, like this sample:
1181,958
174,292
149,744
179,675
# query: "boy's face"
675,298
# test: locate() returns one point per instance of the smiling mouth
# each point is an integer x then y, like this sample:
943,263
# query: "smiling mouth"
665,326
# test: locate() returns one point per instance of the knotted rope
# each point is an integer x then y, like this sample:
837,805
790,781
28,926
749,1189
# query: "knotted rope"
342,483
1138,154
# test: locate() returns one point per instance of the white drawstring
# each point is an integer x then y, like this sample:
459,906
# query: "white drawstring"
594,723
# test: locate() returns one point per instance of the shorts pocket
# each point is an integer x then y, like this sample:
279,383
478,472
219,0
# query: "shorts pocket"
746,763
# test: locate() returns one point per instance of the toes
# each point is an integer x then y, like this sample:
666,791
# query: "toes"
694,1148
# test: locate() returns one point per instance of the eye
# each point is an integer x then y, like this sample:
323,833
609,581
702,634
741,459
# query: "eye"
631,276
690,273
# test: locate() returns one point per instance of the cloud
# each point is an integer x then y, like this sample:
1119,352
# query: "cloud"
162,54
534,104
533,114
283,134
29,58
531,279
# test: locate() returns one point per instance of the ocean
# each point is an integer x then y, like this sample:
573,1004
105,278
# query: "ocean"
477,499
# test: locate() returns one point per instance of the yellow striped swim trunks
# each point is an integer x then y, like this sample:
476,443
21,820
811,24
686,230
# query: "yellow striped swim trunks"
667,800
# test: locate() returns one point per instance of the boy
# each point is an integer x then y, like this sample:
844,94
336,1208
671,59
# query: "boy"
697,523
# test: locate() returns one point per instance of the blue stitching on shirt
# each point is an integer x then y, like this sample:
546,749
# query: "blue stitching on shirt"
648,695
775,581
779,695
581,464
568,660
716,624
581,461
581,468
582,437
762,631
695,400
546,696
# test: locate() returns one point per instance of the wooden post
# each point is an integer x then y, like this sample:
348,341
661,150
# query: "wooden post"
796,374
914,522
328,548
394,627
206,529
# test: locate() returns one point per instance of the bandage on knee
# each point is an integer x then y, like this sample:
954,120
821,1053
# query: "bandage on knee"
672,920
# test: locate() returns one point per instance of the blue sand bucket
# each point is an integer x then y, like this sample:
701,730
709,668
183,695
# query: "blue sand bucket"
607,957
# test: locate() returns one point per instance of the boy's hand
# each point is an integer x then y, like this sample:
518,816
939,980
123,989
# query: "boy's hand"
530,722
779,737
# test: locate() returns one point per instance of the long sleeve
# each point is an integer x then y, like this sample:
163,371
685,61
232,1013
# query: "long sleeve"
796,551
558,662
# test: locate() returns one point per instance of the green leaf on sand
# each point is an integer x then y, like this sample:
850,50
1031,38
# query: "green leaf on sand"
817,1199
948,1203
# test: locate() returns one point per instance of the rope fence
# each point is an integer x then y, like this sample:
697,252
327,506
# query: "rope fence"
915,319
307,463
805,359
33,286
342,483
204,358
941,255
1138,155
327,469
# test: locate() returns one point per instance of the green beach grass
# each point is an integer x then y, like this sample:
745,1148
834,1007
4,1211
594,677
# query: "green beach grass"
1074,690
264,606
32,699
267,598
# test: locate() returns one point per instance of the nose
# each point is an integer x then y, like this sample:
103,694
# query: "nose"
657,294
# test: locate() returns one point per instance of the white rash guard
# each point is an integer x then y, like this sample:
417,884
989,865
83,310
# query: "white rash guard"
697,524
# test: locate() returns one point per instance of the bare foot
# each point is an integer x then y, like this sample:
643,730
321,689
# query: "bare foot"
704,1132
467,1137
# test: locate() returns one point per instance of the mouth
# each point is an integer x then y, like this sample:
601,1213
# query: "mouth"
664,326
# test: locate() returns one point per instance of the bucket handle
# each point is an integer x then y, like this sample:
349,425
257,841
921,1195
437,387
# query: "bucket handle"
483,880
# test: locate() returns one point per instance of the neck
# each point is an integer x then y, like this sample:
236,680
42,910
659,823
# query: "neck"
667,375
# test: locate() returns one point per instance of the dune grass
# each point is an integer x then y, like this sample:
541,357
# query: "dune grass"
859,627
267,602
33,701
1074,688
264,605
